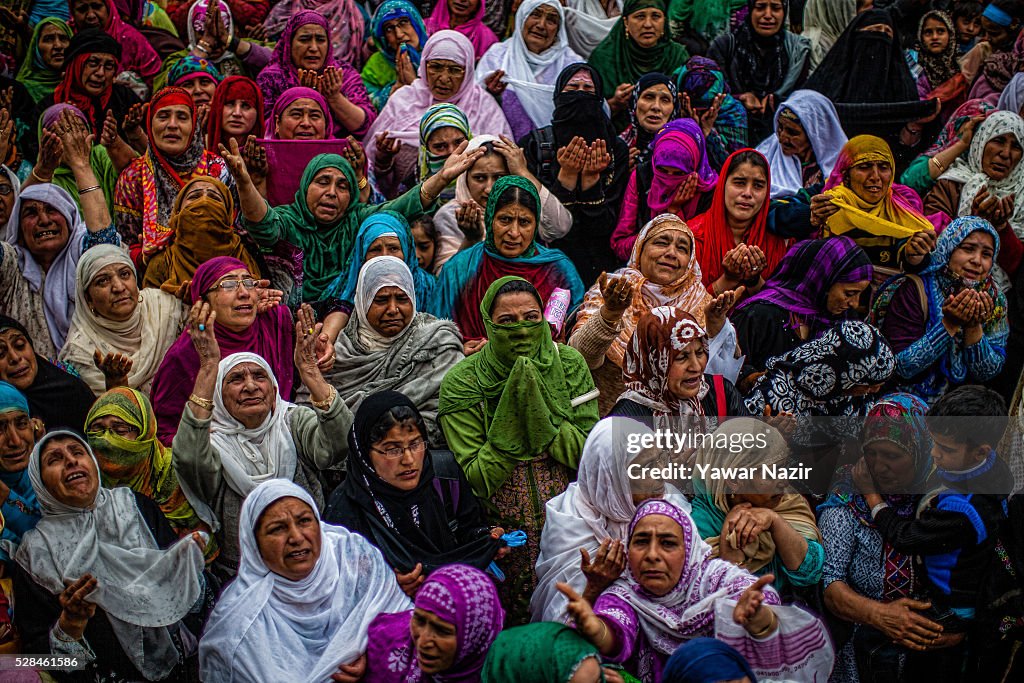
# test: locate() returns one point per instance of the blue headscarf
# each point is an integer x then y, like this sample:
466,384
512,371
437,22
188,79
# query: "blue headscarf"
12,400
21,510
395,9
706,660
381,224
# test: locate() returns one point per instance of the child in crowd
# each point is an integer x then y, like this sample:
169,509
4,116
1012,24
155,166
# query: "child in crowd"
967,19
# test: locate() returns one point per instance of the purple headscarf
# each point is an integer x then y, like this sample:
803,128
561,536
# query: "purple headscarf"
271,336
679,144
53,112
459,594
289,96
280,74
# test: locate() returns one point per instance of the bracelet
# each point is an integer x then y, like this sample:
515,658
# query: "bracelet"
767,629
87,190
39,177
234,43
427,200
204,403
326,403
935,161
363,182
202,48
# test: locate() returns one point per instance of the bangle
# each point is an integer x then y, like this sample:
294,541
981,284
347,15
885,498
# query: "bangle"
425,198
202,48
204,403
767,629
935,162
326,403
363,182
233,43
91,188
40,178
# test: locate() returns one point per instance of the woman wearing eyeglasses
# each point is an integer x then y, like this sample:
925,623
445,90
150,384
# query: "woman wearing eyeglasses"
413,504
238,428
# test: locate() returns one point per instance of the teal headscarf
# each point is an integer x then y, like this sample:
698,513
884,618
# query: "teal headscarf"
39,79
444,115
545,652
12,400
502,184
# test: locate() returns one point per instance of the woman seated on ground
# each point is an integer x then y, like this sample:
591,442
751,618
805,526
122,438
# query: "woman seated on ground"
43,63
731,239
235,113
663,270
934,61
328,210
140,585
949,326
296,574
347,25
954,140
504,449
389,344
125,329
456,617
758,524
676,180
237,429
723,118
460,223
655,103
817,283
664,371
545,652
466,18
706,660
851,363
399,34
509,249
303,56
138,56
414,505
121,429
300,113
446,74
593,515
675,591
521,70
198,76
202,221
18,434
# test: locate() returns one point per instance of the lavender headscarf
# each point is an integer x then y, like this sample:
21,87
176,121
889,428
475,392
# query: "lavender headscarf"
289,96
679,144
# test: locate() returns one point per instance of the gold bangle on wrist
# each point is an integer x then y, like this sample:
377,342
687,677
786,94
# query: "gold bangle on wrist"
204,403
767,629
39,178
363,182
326,403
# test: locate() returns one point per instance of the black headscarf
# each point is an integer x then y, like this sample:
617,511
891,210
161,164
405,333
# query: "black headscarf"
92,40
761,62
61,400
643,137
580,113
408,527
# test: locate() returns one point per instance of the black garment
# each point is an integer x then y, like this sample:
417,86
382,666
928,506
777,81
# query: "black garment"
121,100
763,331
23,113
59,399
734,406
37,610
439,522
90,40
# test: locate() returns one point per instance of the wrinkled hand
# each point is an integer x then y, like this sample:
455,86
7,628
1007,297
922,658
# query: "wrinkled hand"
411,582
588,623
387,148
403,67
494,84
201,320
256,32
470,217
330,83
608,564
232,156
307,338
266,298
919,245
822,209
900,621
109,135
135,116
255,157
114,366
748,607
309,78
202,114
861,475
51,152
748,523
684,193
622,97
515,157
717,309
76,608
351,672
75,137
617,293
966,131
993,209
356,156
460,161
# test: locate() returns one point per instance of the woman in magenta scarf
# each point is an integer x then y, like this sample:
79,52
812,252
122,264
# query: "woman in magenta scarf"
136,53
280,126
466,17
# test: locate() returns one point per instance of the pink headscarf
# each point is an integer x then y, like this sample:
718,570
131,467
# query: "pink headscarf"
680,145
346,25
474,29
289,96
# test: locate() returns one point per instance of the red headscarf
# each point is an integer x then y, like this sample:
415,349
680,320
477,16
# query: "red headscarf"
232,88
70,91
167,97
713,237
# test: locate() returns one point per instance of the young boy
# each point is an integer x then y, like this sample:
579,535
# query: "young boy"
967,19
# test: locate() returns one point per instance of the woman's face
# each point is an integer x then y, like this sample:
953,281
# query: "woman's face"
7,198
390,311
767,17
972,259
665,258
444,78
581,81
999,37
44,230
112,423
398,457
113,293
746,190
891,467
686,371
645,27
201,88
387,245
53,43
436,641
309,47
1000,156
98,73
935,36
514,227
657,553
516,307
398,31
462,11
654,107
444,141
425,247
328,196
288,537
303,119
17,439
18,364
172,129
198,190
482,176
238,117
68,471
90,14
793,139
541,29
843,296
249,394
235,308
870,180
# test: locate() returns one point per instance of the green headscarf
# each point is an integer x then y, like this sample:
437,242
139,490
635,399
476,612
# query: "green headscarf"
545,652
500,185
707,17
39,79
620,60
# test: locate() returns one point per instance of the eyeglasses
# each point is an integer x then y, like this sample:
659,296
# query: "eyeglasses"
416,448
232,285
437,69
106,65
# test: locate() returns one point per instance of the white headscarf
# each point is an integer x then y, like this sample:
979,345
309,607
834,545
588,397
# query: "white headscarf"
58,283
252,456
144,337
1012,97
530,76
268,628
597,506
824,22
376,274
820,122
12,178
142,589
587,24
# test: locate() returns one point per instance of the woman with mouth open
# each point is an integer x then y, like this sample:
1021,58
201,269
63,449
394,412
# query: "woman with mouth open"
18,434
398,31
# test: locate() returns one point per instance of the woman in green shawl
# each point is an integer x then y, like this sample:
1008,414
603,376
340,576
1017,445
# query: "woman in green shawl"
546,653
44,61
328,210
638,44
516,414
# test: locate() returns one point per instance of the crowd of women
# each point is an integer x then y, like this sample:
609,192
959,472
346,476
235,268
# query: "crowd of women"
327,328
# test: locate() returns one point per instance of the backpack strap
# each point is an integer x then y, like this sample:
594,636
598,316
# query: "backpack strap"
719,383
446,481
546,153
